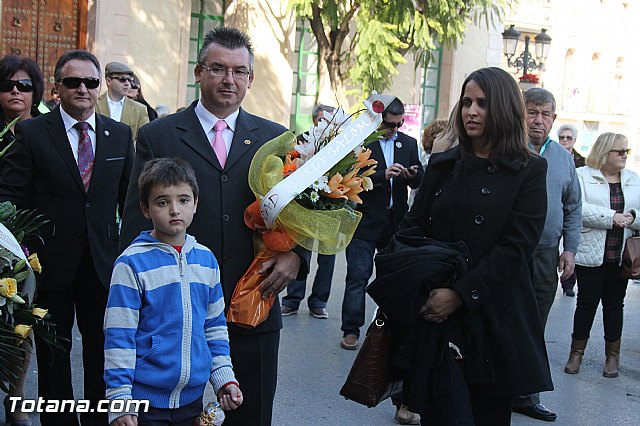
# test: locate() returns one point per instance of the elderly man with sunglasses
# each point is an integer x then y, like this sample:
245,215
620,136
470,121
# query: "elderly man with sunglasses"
115,103
73,166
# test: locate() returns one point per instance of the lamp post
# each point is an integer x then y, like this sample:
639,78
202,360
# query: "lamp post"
525,61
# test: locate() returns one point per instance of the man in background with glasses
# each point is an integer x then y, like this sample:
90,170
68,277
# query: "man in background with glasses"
219,139
73,166
564,221
115,103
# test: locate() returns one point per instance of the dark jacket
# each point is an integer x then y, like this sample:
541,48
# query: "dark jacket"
375,203
498,211
40,172
578,159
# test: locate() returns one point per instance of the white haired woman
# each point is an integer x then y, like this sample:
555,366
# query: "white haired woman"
610,201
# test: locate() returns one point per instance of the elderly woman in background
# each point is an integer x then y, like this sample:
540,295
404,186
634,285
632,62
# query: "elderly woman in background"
610,200
21,90
448,138
567,136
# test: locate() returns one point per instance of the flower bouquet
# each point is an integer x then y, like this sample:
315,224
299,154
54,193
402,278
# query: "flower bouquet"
18,316
529,78
305,195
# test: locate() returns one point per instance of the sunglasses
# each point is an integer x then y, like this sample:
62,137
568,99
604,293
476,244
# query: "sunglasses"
622,152
122,79
22,85
392,124
75,82
565,138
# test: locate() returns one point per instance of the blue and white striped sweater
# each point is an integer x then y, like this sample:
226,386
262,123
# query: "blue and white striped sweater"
165,330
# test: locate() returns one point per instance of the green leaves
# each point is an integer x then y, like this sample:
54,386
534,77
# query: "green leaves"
364,41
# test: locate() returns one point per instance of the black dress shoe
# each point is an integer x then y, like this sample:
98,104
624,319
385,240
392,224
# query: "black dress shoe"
537,411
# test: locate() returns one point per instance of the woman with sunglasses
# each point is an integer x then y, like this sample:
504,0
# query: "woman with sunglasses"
135,93
21,90
610,203
490,193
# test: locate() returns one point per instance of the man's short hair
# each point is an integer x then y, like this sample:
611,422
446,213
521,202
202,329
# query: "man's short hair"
539,96
570,127
229,38
395,108
69,55
165,172
320,107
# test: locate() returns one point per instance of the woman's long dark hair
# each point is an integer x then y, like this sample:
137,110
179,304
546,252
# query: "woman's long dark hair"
505,126
11,64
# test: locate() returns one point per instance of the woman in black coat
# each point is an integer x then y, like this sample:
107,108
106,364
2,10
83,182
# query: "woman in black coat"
490,192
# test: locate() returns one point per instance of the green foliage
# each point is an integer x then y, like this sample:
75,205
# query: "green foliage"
370,38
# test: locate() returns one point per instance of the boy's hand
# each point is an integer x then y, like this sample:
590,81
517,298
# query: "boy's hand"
230,397
127,420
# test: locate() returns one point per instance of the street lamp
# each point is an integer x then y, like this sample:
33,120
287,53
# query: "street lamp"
525,61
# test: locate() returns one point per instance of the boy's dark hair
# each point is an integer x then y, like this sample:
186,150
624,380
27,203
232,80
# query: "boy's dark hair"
165,172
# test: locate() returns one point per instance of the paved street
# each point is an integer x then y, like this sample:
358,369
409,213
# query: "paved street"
313,368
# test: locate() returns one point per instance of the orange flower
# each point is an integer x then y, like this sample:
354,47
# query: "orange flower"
336,187
294,154
352,194
363,160
289,165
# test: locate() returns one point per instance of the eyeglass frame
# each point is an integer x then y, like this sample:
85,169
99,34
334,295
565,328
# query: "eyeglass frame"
210,71
122,78
621,152
87,81
566,138
24,85
392,124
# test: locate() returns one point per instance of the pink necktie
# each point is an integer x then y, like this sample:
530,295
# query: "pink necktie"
85,153
218,144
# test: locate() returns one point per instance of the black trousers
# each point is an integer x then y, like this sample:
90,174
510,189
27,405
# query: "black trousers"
595,284
85,300
255,364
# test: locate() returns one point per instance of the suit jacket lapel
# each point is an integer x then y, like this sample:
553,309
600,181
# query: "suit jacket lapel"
103,106
127,112
243,138
376,152
61,141
195,137
400,151
103,133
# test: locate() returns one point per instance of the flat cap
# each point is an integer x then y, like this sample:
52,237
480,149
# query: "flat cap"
117,68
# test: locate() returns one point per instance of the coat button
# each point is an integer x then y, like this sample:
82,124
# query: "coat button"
485,191
475,295
491,170
224,178
87,204
479,219
225,217
438,192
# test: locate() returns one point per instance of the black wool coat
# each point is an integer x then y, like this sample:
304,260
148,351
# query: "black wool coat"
498,211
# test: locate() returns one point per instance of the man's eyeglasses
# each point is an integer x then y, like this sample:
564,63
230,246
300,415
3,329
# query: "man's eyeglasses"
75,82
122,79
22,85
218,71
392,124
622,152
565,138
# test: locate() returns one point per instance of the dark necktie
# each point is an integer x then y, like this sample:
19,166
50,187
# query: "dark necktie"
85,153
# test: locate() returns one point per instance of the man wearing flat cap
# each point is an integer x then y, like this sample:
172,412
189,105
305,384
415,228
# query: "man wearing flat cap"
115,103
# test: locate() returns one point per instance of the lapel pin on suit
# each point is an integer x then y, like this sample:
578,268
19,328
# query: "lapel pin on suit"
106,133
398,145
247,142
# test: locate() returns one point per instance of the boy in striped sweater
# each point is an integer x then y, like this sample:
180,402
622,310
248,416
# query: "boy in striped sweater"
165,329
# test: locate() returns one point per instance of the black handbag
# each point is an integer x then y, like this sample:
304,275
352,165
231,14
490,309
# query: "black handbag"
370,380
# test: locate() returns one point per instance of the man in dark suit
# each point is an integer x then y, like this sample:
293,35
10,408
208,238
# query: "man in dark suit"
382,210
219,139
73,166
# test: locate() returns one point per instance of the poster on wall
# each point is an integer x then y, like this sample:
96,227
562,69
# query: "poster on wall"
412,121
